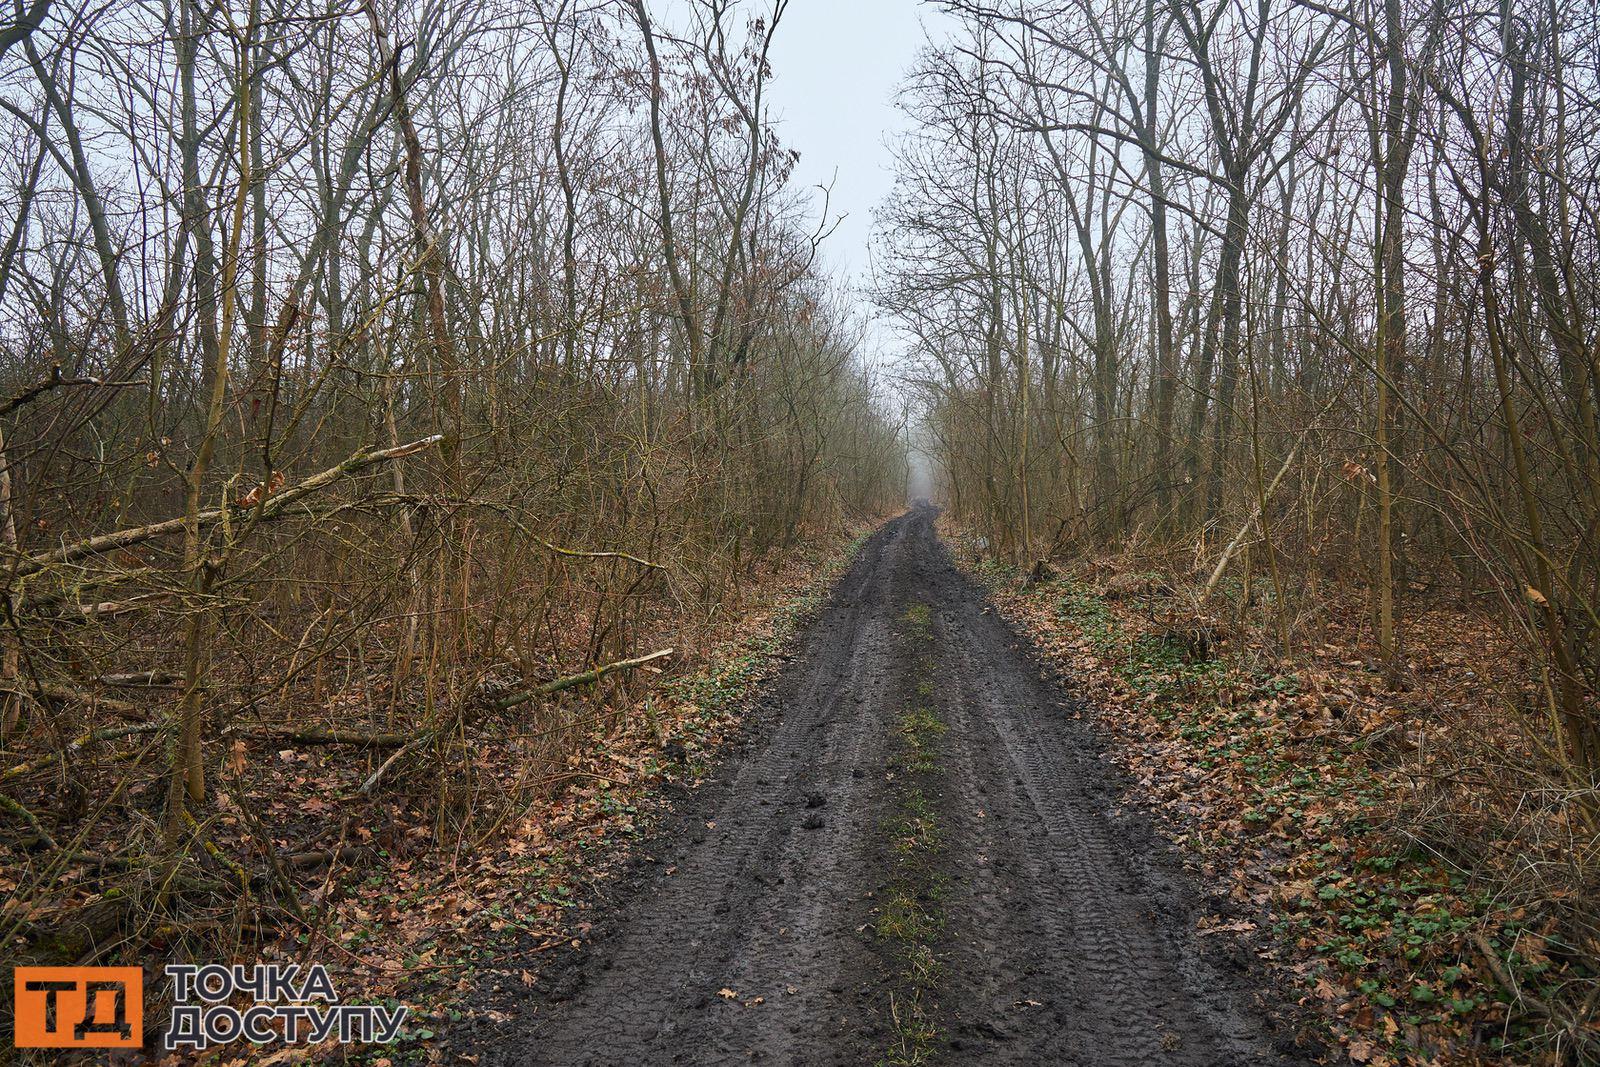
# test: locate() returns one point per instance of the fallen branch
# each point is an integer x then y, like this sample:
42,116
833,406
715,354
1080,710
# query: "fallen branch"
1575,1026
106,609
218,855
1255,513
11,806
579,553
508,513
141,680
272,507
377,776
553,686
55,379
68,602
60,694
578,679
108,734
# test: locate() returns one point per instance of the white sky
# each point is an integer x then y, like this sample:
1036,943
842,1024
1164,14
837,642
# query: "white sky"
836,66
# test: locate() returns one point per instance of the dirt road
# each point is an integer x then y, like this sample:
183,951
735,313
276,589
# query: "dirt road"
912,860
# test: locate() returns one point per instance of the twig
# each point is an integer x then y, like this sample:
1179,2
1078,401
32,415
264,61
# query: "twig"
7,804
216,853
377,776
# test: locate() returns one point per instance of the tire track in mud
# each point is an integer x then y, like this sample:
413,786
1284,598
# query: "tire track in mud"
1065,933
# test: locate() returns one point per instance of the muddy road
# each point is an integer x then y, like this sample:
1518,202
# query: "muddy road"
912,859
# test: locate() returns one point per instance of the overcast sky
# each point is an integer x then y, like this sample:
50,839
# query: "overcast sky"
836,66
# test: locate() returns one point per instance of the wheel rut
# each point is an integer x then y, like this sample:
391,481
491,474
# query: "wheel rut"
1064,932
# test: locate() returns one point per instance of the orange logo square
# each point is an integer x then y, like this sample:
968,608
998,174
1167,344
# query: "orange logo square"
79,1007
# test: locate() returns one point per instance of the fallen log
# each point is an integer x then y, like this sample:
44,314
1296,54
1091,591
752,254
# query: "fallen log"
322,857
141,680
321,735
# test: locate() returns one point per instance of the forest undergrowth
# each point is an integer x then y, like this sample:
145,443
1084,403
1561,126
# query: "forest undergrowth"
363,881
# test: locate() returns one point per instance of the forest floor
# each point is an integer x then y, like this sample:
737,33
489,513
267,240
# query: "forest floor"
1396,854
913,853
